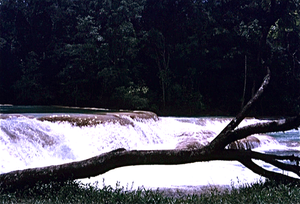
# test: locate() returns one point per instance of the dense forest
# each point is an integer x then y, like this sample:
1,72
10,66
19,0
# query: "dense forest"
173,57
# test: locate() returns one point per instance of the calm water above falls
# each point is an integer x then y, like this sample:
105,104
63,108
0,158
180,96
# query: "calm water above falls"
26,141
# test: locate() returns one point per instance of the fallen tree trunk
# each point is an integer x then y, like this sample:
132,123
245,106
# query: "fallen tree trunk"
214,151
121,157
105,162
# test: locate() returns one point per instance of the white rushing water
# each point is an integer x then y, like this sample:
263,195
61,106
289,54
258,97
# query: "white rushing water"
27,142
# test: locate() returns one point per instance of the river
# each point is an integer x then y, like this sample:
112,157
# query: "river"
36,136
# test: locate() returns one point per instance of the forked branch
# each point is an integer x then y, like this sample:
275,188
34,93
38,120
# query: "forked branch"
224,138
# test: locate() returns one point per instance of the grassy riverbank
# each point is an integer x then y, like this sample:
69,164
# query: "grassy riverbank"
72,192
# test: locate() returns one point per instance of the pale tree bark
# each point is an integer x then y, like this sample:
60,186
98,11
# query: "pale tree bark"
245,83
214,151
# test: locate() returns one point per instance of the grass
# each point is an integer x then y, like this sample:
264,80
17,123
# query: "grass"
74,192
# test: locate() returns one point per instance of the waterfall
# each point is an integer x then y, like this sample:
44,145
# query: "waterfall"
36,140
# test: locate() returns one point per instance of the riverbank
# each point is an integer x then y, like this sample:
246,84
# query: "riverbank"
74,192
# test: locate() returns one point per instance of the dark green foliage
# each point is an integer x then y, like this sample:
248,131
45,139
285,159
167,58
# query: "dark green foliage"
188,55
73,192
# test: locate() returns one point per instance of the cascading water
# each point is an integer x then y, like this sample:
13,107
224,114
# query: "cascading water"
49,139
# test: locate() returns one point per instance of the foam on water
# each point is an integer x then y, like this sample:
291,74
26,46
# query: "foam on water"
27,142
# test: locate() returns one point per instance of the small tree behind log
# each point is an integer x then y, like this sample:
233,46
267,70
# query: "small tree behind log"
213,151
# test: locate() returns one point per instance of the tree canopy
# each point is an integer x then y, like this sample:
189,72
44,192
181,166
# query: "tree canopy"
169,56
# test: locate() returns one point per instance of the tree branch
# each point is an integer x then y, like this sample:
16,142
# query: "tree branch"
223,138
273,126
268,174
272,159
